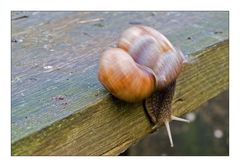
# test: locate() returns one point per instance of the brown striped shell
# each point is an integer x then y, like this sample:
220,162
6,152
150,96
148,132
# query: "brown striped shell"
123,77
144,61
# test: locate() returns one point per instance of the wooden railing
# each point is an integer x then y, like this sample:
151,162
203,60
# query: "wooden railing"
58,105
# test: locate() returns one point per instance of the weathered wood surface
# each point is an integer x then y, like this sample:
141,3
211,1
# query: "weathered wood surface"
58,105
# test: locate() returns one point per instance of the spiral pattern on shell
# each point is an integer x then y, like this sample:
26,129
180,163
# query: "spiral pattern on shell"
144,61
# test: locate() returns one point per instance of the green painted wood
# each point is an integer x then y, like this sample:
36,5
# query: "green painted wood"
56,97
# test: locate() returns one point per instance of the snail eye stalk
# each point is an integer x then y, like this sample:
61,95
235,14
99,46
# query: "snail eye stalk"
168,127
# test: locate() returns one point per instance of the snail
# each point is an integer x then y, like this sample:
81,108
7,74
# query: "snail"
143,67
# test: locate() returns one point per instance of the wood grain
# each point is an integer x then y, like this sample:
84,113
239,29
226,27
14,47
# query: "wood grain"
58,105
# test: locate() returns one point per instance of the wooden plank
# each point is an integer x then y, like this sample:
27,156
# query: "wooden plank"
58,105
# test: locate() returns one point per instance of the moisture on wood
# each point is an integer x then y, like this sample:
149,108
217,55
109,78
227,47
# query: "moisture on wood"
58,105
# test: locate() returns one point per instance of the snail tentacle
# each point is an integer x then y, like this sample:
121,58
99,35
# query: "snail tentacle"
169,132
179,119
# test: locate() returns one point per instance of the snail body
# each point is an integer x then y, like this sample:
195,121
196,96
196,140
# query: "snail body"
144,66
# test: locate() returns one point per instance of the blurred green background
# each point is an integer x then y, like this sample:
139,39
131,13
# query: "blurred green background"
207,134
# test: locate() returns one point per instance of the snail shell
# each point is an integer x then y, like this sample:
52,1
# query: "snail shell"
123,77
144,61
